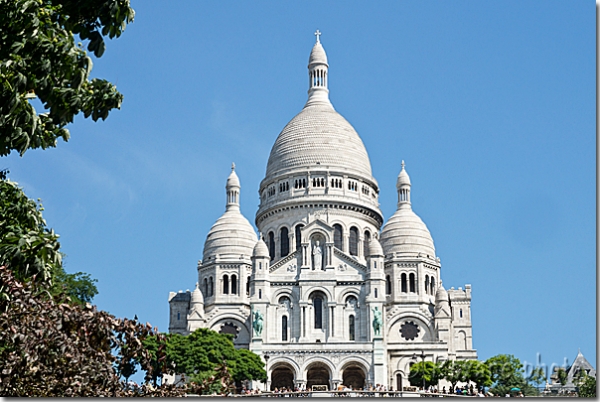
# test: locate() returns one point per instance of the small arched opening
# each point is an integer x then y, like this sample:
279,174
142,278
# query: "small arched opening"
284,242
338,236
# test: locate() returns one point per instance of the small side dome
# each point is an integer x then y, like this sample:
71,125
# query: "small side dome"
230,237
260,249
405,233
441,295
375,248
197,297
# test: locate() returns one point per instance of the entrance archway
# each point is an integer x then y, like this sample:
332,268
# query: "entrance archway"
282,377
354,377
317,374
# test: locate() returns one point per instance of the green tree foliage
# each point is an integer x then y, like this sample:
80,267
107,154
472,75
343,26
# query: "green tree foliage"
537,377
587,386
455,371
39,58
428,371
32,250
507,373
562,376
479,373
27,245
209,359
49,348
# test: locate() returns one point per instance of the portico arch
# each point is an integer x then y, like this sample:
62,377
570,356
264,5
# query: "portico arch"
282,376
354,375
318,373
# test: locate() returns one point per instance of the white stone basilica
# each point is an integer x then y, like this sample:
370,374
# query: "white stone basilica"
326,296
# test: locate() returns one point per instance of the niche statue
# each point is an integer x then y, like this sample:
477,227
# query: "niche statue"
317,257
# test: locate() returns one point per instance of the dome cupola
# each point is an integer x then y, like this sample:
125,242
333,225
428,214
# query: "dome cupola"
319,157
231,236
317,74
403,187
197,298
405,234
261,249
375,248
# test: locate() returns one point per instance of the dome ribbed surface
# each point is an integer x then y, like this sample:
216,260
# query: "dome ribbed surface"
230,236
375,248
405,232
197,297
319,134
403,178
261,249
233,180
441,295
317,55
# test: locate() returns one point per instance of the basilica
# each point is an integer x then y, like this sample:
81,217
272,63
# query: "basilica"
327,294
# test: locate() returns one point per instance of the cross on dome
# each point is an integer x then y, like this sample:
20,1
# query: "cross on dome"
317,34
403,164
233,165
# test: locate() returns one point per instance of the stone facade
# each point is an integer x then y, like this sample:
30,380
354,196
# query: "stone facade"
326,295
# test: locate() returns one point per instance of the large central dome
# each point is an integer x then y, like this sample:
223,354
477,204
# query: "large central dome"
319,135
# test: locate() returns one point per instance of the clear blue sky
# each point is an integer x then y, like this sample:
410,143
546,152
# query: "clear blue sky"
491,104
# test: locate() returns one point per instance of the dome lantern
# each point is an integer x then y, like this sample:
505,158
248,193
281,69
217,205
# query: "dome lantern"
403,187
318,73
231,236
233,190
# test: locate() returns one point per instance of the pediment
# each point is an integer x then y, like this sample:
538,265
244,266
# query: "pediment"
317,226
286,265
347,265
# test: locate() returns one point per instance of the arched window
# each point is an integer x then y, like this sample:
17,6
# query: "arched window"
412,282
404,287
233,284
432,285
388,285
225,284
272,245
248,286
337,236
366,242
426,284
284,242
318,307
205,287
298,236
353,241
284,328
351,332
211,286
178,316
460,313
376,293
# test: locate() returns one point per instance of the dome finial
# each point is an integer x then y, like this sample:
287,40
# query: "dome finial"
318,34
403,164
233,165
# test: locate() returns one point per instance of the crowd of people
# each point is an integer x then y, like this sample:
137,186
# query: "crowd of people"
378,390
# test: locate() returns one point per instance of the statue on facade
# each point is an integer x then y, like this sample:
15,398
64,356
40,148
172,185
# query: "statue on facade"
317,257
257,323
377,321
